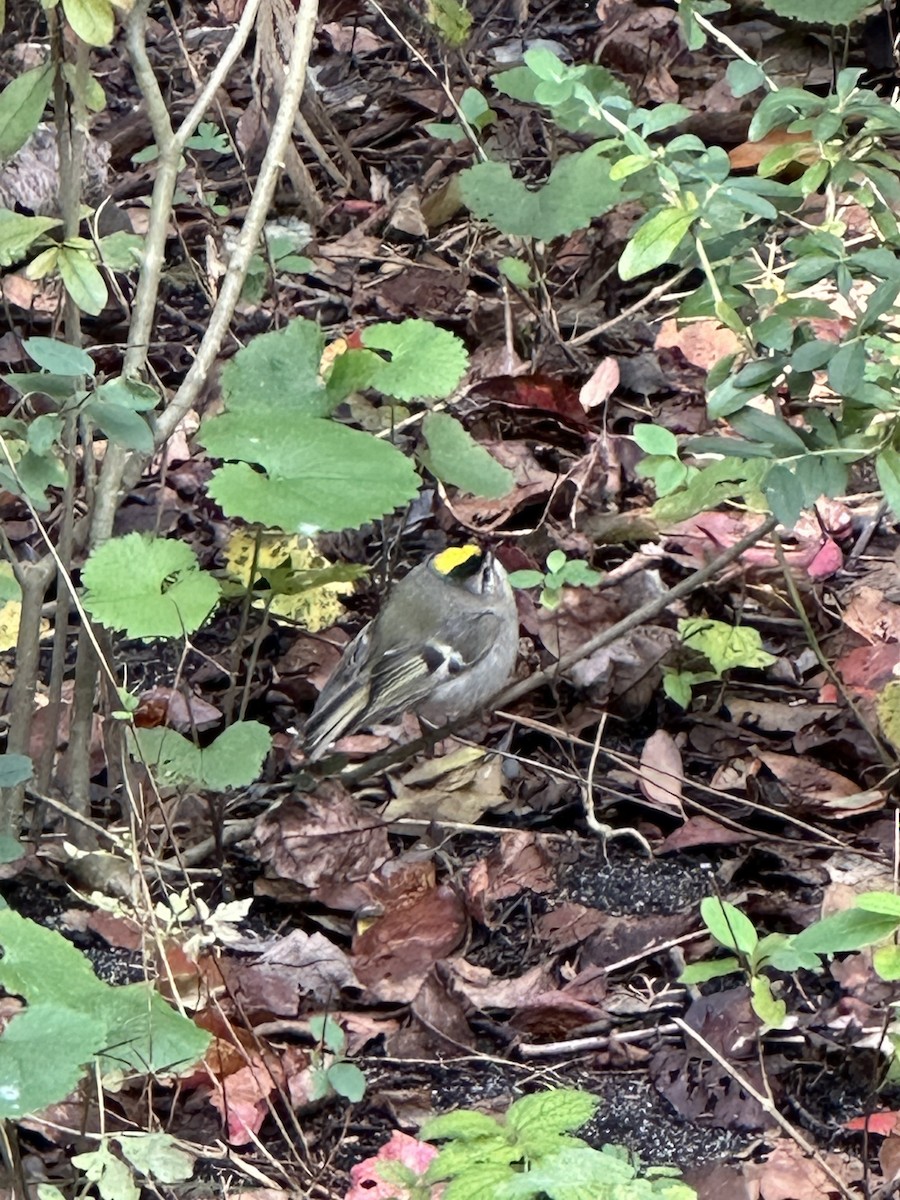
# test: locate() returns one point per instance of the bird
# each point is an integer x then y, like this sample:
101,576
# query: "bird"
444,642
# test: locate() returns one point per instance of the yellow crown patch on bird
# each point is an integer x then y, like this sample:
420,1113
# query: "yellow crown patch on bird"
455,556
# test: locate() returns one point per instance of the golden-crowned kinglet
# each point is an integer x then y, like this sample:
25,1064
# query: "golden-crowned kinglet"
444,642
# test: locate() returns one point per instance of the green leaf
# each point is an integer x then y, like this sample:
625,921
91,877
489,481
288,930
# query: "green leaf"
158,1156
709,488
886,903
121,425
578,189
453,456
464,1125
112,1177
812,356
726,646
277,374
15,769
82,280
128,393
728,925
92,20
702,972
852,929
887,468
121,251
825,12
319,475
59,357
886,961
846,368
236,756
451,19
17,234
84,1020
148,587
770,1011
786,495
233,760
424,361
558,1110
526,579
517,272
744,77
22,104
655,241
653,439
347,1080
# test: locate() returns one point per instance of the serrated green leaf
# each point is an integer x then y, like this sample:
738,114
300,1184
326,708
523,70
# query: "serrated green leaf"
233,760
454,457
319,475
17,233
578,189
278,373
559,1110
463,1125
726,646
69,1008
22,104
654,242
92,20
236,756
148,587
425,361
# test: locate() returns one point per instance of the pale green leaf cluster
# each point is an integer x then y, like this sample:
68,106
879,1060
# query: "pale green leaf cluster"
532,1152
725,647
561,573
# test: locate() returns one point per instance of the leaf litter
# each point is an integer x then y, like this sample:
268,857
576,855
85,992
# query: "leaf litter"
428,940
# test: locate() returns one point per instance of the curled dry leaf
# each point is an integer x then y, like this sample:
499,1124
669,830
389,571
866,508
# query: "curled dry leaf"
661,774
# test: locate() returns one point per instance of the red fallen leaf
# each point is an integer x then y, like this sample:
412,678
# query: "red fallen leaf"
544,392
369,1185
701,831
882,1123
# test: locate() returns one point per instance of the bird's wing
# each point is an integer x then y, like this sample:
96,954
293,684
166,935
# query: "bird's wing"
343,700
407,675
